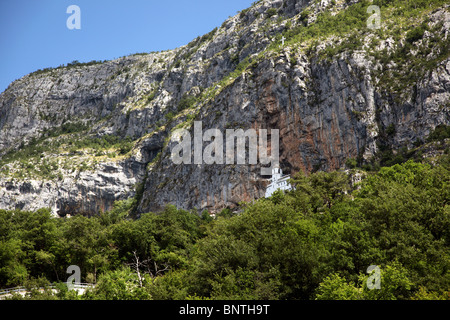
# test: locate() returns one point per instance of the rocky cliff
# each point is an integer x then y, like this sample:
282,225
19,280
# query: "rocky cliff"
79,137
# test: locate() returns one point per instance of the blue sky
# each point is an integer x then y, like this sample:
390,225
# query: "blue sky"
34,35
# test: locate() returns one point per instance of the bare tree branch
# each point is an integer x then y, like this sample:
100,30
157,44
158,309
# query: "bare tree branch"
137,264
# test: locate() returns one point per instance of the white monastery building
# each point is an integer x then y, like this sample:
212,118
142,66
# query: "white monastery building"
278,182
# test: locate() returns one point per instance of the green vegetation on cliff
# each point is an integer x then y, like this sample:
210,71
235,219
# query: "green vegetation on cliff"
312,243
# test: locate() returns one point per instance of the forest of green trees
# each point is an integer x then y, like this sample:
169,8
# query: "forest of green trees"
312,243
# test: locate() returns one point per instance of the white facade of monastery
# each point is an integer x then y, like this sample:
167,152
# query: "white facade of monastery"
278,182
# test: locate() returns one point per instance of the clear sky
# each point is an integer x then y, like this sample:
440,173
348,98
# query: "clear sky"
34,34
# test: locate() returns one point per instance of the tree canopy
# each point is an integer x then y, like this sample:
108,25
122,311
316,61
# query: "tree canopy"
314,242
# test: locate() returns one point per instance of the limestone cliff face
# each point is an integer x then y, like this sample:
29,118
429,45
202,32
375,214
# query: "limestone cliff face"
319,129
326,108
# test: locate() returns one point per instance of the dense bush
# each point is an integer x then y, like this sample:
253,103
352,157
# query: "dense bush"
440,133
271,12
415,34
186,102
